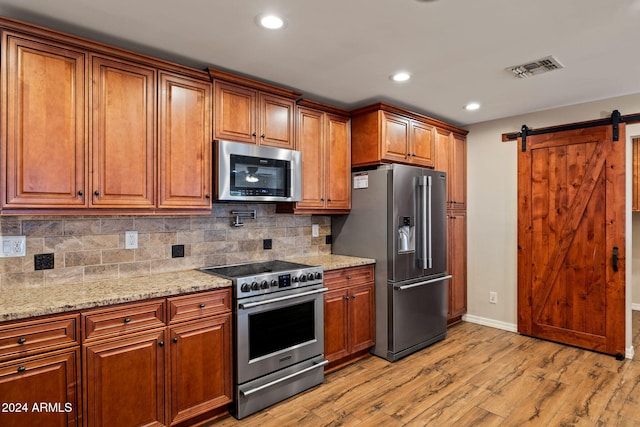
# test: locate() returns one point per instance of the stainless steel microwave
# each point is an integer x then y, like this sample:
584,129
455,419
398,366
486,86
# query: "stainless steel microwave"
254,173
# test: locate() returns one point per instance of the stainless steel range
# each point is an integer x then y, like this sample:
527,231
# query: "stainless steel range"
278,331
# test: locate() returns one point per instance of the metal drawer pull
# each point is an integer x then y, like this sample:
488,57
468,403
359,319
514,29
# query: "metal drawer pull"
201,305
22,340
415,285
22,369
269,301
285,378
127,320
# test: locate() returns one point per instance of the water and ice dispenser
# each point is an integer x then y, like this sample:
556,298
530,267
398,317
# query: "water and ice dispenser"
406,235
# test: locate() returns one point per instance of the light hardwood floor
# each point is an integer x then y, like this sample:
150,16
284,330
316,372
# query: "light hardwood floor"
478,376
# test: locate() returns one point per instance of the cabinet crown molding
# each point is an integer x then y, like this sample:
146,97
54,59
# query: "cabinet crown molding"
217,74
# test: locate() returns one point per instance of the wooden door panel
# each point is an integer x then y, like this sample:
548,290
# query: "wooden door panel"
395,137
124,123
310,131
235,113
362,314
338,164
571,198
336,317
276,121
45,108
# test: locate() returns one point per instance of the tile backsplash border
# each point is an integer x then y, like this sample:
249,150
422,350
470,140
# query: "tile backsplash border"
91,248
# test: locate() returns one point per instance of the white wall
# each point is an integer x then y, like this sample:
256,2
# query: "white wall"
492,205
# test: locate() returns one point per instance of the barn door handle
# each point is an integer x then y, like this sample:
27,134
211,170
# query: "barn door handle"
614,258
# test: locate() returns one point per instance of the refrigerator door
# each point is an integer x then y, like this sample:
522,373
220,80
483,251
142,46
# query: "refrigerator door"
417,219
418,315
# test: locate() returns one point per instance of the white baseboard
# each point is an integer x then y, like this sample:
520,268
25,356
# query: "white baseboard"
511,327
635,306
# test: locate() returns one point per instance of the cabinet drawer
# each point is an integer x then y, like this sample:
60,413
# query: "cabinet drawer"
28,337
199,305
348,276
124,319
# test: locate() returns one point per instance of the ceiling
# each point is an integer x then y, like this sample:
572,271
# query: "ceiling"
343,51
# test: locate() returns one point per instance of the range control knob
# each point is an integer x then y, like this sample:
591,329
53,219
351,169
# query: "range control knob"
264,285
245,287
303,277
318,275
274,283
294,278
255,286
310,276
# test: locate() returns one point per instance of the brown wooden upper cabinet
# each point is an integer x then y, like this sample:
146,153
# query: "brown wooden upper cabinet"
385,134
250,111
90,126
323,136
452,158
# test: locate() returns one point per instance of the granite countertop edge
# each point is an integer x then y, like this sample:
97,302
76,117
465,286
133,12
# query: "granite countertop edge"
26,302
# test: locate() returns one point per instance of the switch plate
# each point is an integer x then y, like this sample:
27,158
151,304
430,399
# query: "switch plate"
130,239
267,244
493,297
13,246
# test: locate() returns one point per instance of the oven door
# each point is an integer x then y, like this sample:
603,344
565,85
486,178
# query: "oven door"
278,330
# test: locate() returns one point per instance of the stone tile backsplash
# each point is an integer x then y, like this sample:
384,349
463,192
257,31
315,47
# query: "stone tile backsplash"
92,248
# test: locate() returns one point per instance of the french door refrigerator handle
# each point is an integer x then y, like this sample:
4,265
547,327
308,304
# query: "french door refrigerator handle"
428,282
425,259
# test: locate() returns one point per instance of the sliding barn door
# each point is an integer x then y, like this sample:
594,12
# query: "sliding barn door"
571,230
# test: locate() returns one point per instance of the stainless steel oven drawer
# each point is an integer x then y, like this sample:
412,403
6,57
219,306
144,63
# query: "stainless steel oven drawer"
265,391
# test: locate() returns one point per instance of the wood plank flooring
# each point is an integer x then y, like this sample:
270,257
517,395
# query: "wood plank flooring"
478,376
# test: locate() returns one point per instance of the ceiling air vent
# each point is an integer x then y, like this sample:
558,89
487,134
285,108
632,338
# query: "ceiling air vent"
540,66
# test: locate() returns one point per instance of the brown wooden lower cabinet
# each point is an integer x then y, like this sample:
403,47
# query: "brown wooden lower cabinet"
349,313
41,390
200,371
457,264
124,381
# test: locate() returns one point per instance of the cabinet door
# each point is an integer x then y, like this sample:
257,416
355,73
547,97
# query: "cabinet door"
42,389
458,172
457,260
184,142
635,202
338,163
44,124
235,113
422,144
201,376
276,121
395,137
123,146
310,139
361,317
124,381
336,324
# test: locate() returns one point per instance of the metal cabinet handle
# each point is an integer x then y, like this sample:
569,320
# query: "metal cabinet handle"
207,196
353,297
22,340
253,134
202,305
161,343
80,193
262,136
127,320
614,258
175,340
22,368
97,193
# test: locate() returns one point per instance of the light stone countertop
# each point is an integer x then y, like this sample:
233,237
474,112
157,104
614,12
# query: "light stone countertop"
22,303
333,262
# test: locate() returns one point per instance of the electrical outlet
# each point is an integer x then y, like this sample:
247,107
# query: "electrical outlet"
315,230
493,297
130,239
328,239
177,251
267,244
13,246
43,261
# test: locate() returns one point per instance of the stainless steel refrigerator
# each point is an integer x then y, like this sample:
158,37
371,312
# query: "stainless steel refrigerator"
398,217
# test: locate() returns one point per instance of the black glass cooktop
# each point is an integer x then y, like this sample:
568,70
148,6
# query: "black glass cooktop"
252,269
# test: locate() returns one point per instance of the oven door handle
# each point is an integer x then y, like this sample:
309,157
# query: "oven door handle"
270,301
285,378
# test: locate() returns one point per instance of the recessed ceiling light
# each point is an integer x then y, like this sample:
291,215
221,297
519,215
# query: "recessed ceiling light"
271,22
401,76
472,106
